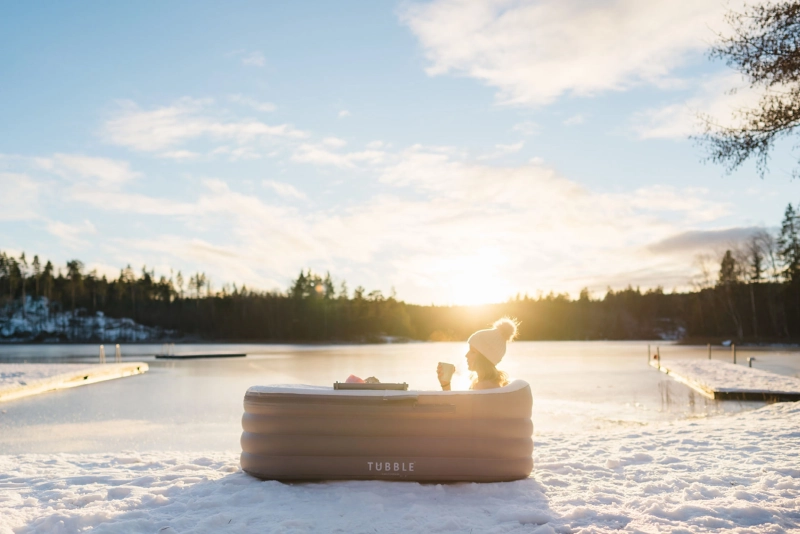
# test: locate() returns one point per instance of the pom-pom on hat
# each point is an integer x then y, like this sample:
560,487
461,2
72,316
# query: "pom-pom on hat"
492,342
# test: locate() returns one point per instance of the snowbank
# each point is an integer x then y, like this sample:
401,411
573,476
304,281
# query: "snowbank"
35,320
720,376
737,473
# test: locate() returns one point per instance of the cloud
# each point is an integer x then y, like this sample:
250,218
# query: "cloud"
71,234
236,153
436,222
180,155
253,59
166,127
344,113
321,155
501,150
253,103
536,221
108,172
334,142
533,52
703,240
526,128
285,190
575,119
718,96
20,197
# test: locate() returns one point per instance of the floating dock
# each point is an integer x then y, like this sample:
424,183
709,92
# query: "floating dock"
25,379
725,381
194,356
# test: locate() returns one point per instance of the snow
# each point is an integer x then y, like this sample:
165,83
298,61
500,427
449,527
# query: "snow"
35,320
738,473
727,377
21,374
24,379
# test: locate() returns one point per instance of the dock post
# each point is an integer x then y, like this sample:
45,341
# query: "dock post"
750,361
658,357
118,354
733,351
709,351
102,354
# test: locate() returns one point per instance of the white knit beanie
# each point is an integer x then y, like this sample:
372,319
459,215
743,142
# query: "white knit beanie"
492,342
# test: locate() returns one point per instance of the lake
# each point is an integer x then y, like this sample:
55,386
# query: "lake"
196,405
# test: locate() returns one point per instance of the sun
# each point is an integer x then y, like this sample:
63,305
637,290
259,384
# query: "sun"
475,279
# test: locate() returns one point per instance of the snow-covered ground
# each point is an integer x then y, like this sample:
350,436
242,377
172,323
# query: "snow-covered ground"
35,320
723,376
738,473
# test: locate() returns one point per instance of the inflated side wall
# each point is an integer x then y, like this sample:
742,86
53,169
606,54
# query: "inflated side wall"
322,434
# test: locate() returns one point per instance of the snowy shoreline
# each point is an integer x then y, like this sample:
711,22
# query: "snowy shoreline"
738,473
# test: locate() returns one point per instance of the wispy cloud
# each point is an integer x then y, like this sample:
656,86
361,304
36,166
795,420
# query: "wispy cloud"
105,170
526,128
574,120
512,227
19,200
536,51
344,113
334,142
180,155
188,119
501,150
72,235
710,96
252,58
698,241
284,190
253,103
322,155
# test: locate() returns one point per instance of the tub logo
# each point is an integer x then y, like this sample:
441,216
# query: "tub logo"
390,467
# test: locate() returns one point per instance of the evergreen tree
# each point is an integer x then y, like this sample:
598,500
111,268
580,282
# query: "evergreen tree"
37,273
47,280
74,268
789,245
755,255
728,269
23,275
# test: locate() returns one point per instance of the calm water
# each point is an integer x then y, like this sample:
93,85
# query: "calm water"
197,404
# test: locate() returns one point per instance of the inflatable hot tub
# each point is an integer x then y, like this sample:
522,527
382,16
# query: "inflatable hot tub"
318,433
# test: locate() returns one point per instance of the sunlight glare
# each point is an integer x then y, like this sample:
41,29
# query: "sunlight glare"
475,279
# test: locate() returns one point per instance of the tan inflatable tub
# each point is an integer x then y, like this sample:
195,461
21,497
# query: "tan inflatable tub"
317,433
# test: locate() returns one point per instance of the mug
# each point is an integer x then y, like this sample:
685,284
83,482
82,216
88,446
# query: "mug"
447,371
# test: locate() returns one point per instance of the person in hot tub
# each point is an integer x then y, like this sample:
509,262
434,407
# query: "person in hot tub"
486,349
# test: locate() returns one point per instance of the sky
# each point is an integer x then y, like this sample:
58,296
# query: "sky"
457,152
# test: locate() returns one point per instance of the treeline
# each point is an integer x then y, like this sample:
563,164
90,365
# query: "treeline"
751,294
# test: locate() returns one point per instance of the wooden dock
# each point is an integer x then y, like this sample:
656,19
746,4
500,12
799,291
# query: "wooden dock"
26,379
195,356
720,380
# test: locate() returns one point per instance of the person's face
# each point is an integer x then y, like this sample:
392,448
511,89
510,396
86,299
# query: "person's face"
471,356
